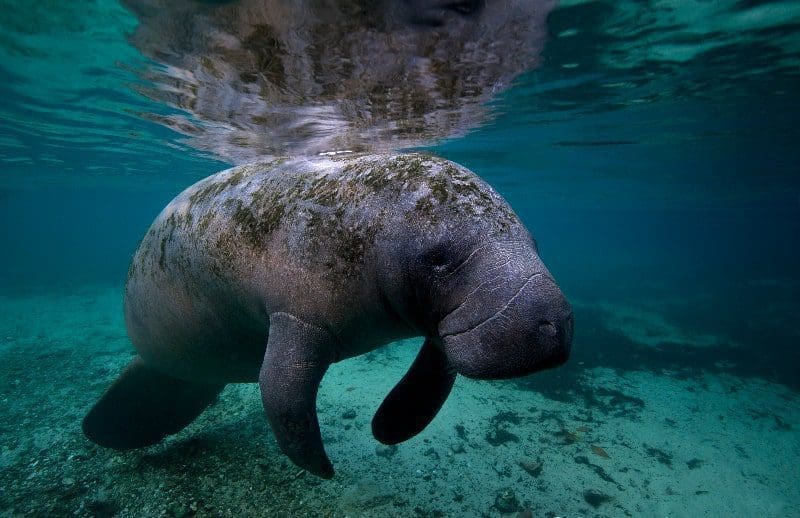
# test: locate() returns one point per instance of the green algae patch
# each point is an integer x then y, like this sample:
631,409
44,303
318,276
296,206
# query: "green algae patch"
214,188
256,227
205,221
162,259
335,208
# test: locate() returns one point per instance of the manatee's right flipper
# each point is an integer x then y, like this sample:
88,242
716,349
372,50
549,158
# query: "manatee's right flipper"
416,399
143,406
298,354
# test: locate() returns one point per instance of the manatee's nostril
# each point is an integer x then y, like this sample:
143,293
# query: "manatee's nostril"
547,329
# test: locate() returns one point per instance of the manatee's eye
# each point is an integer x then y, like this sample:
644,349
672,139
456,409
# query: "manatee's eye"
439,255
438,259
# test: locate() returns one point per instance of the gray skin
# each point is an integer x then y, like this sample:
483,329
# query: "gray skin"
271,272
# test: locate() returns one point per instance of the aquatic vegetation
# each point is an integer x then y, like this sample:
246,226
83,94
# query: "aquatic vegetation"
506,501
694,463
498,432
660,455
567,437
600,452
595,498
532,467
599,470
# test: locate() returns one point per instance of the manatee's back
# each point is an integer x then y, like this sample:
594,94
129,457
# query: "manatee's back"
186,307
309,236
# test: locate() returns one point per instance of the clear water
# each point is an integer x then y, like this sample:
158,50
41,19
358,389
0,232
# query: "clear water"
650,146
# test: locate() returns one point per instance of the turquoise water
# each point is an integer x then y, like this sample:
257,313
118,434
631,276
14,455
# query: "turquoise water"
650,146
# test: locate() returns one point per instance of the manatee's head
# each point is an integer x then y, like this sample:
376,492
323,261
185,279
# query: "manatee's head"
508,317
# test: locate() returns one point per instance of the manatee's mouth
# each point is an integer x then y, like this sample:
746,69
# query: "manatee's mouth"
471,356
530,332
497,314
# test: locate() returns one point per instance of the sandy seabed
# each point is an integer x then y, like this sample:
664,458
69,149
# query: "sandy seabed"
631,443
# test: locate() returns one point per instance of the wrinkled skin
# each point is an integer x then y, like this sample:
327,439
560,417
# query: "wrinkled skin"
271,272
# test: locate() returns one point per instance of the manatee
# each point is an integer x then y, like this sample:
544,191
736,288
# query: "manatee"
271,272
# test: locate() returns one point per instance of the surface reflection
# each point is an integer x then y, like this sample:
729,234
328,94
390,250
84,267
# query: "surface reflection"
273,77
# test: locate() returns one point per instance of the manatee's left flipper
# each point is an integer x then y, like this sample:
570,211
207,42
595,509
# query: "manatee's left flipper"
298,354
143,406
416,399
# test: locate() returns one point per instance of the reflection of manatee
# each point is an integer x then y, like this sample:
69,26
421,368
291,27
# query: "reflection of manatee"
274,77
271,273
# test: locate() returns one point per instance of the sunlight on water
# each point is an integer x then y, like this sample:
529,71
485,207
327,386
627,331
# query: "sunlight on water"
615,81
68,107
270,78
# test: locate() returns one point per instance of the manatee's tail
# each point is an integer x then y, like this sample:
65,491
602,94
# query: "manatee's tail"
143,406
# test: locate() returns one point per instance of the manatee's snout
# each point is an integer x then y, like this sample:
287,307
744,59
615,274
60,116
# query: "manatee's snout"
518,330
555,335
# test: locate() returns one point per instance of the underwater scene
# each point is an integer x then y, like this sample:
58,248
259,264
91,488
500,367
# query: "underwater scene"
349,258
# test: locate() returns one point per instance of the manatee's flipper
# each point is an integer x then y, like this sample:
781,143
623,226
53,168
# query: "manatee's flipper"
298,354
143,406
414,401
